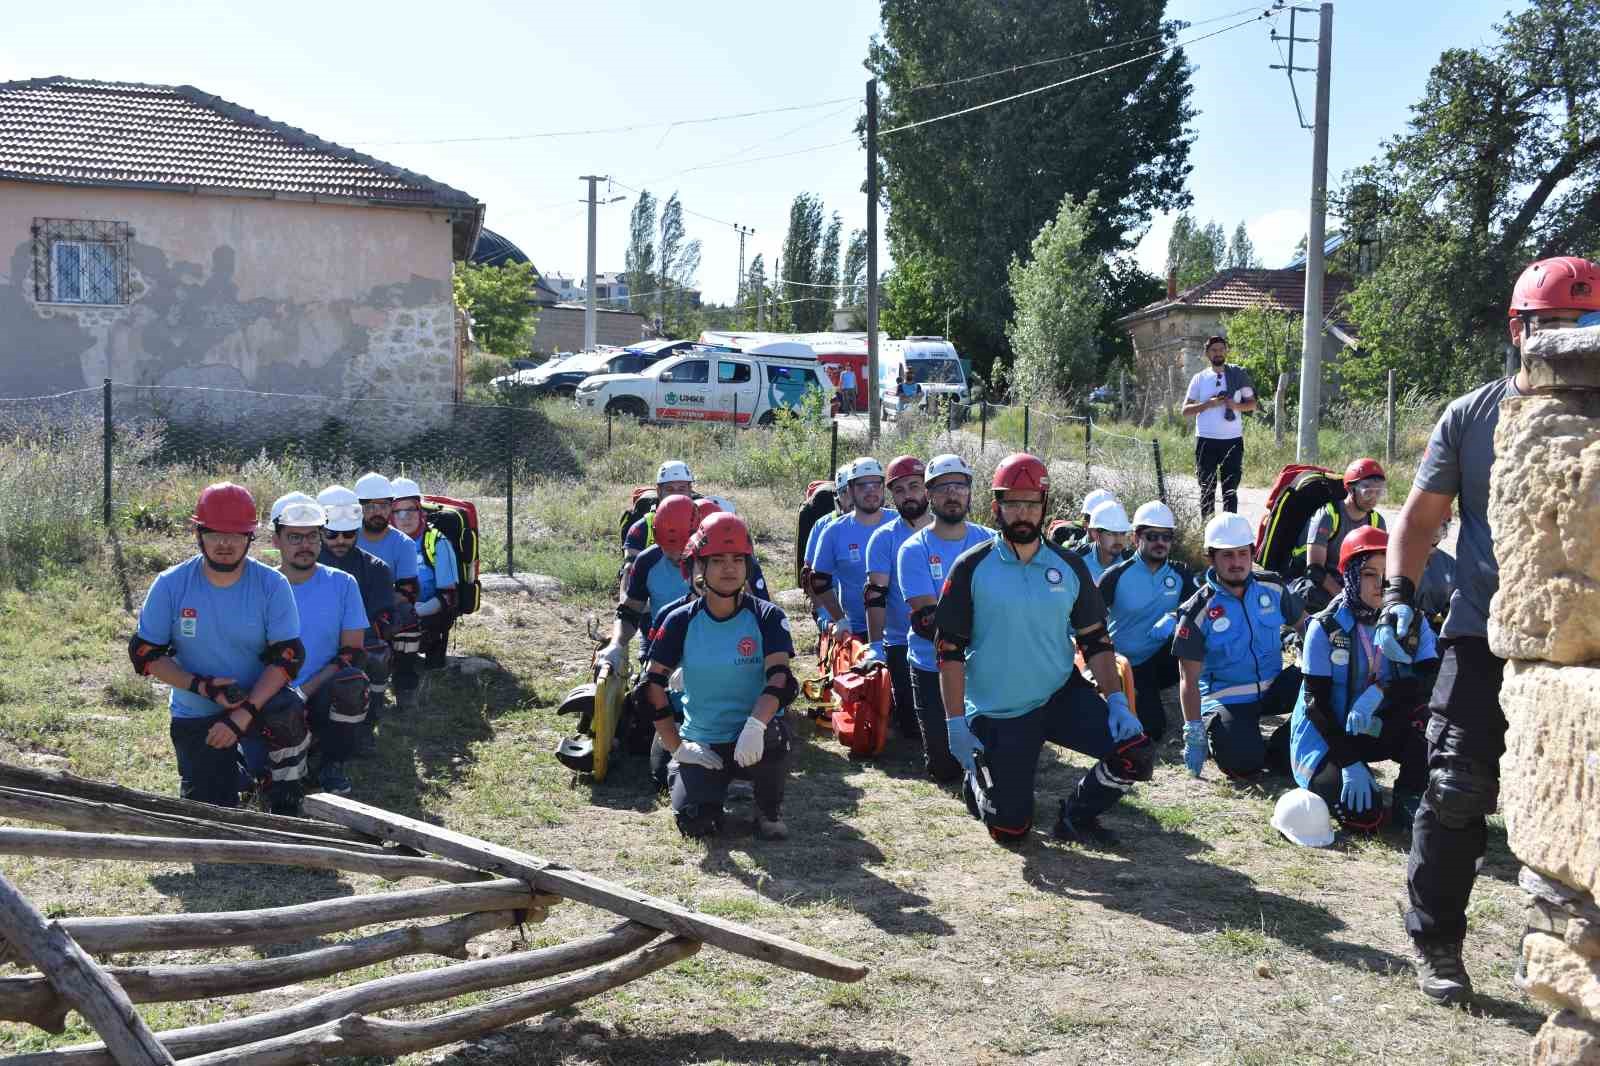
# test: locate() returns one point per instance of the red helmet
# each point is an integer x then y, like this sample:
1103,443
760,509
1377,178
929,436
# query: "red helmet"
1361,542
1021,471
1362,469
704,508
903,466
225,508
674,521
1563,283
722,534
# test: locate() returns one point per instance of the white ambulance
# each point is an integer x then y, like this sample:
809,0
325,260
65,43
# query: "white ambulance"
744,387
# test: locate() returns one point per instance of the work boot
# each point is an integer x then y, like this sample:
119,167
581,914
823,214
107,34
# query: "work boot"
1083,830
1441,975
332,779
770,828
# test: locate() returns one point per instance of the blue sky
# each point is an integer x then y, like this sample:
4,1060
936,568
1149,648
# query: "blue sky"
404,72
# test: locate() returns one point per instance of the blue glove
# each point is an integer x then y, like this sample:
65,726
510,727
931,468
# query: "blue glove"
1356,795
1363,716
1124,726
1395,626
1194,746
963,745
875,652
1162,630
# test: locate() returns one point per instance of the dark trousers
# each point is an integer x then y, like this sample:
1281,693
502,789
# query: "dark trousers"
1234,729
942,766
697,793
335,740
435,637
206,774
1401,741
1466,729
1158,672
1074,717
1211,457
905,705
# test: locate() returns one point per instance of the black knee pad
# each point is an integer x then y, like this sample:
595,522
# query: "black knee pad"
697,822
1462,791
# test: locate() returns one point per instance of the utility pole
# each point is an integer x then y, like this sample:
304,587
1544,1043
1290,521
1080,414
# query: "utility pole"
588,311
742,231
873,403
1316,233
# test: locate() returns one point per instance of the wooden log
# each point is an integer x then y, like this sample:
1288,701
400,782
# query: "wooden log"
62,783
34,1000
80,981
355,1034
400,990
302,921
55,843
93,816
546,876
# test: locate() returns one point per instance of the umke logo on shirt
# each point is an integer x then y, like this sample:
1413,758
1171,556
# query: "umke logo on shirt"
747,649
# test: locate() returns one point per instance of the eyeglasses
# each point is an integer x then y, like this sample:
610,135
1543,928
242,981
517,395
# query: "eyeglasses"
949,488
338,534
1155,537
867,484
371,506
405,512
295,540
218,537
1022,505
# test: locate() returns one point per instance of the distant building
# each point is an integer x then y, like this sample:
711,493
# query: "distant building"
609,288
567,289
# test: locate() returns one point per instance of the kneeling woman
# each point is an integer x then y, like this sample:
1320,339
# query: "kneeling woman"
1355,706
734,652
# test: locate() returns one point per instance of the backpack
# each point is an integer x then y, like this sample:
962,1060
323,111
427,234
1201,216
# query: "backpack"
455,521
1298,493
641,503
819,503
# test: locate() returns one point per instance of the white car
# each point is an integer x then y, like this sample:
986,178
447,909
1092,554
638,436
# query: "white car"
744,388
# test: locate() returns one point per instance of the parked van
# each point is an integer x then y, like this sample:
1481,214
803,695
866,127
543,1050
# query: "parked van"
931,362
704,386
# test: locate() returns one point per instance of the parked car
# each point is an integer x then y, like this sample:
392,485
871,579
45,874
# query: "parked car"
712,385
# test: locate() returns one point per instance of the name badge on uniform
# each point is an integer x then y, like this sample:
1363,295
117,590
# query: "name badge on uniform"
1221,624
1170,581
1053,577
936,567
1339,657
188,622
855,553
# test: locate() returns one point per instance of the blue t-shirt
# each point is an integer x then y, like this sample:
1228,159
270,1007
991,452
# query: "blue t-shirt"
724,663
1236,639
640,536
329,602
812,539
443,574
924,563
842,552
1136,598
394,548
1017,620
1342,663
655,581
219,632
883,555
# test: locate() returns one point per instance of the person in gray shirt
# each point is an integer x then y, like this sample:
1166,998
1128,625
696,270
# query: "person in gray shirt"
1466,728
1438,582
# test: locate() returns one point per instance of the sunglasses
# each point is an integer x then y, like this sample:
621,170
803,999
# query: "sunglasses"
339,534
1158,538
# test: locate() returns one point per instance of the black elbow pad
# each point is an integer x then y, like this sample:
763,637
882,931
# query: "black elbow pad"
922,621
352,658
952,649
632,616
820,583
1094,642
876,595
409,588
144,654
781,685
286,655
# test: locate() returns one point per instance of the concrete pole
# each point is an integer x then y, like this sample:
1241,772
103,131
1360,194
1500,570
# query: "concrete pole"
588,311
874,411
1311,352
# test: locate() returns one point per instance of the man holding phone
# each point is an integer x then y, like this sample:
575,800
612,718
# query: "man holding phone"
1216,398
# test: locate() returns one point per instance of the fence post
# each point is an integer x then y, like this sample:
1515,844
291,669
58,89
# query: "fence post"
833,446
1389,439
983,426
609,417
1088,441
1161,478
1122,394
1027,417
1277,408
105,475
511,455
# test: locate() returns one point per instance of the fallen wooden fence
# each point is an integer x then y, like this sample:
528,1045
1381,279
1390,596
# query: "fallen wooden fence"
488,887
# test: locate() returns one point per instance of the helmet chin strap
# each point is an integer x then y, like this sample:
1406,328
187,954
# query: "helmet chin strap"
221,568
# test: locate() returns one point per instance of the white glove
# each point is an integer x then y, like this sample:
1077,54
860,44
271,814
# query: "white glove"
752,742
693,753
429,607
675,682
613,655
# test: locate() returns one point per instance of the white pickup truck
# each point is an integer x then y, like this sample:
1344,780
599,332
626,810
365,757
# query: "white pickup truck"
744,388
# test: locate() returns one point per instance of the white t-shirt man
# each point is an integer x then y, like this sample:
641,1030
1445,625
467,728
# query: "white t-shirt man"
1214,422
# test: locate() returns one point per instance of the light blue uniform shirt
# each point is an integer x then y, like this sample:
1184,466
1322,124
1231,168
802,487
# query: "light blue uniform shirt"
842,552
654,580
1236,638
812,540
1136,599
883,554
443,574
724,663
394,548
219,632
329,602
924,563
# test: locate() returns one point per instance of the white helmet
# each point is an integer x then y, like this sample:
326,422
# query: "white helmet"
1110,517
1096,498
1154,514
674,470
1302,816
404,486
1229,530
841,479
297,509
342,507
724,503
373,486
866,466
940,465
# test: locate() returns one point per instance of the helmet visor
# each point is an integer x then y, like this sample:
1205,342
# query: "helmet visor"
343,517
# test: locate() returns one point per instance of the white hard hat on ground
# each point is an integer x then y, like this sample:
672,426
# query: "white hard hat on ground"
373,486
1110,517
1229,530
1096,498
949,463
1154,514
1302,816
673,470
343,508
297,509
404,486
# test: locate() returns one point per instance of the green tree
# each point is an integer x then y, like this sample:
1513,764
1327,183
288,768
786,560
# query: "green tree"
1242,251
500,301
854,293
802,245
678,261
755,291
1196,252
827,273
1499,165
1059,297
1266,343
968,194
640,258
1126,288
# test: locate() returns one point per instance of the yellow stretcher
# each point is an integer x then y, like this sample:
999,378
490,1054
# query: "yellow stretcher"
608,693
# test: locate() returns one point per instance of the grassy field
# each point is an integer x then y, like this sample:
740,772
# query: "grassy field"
1204,939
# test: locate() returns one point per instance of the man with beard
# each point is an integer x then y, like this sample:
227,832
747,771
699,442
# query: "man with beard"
1230,657
1142,595
333,624
222,630
399,553
1216,398
343,511
1008,617
924,562
842,553
1108,538
1364,485
888,618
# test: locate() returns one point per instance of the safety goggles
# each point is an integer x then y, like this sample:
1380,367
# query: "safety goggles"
1590,319
949,488
217,536
1370,484
375,506
1017,506
405,512
341,513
